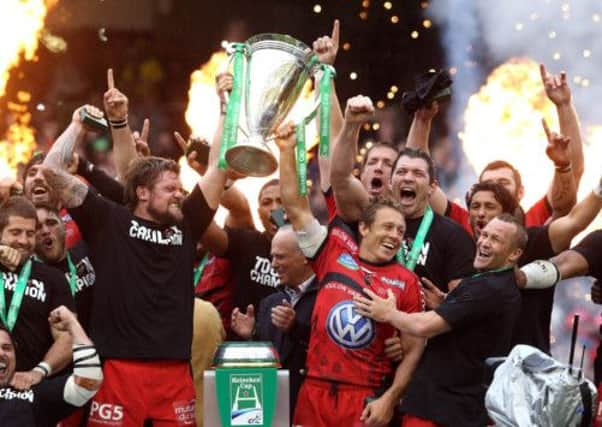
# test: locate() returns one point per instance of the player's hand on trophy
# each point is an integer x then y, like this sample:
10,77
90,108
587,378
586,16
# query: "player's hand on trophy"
286,137
115,102
283,316
326,47
141,139
375,307
9,257
243,324
557,149
223,85
556,87
359,110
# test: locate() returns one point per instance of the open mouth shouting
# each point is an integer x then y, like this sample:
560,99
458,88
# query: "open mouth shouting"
39,193
377,186
407,196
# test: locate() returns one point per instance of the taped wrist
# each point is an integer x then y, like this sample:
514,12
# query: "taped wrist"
541,274
86,363
44,368
311,237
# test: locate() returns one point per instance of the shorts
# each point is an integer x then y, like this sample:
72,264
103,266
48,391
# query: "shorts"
591,249
412,421
134,391
325,404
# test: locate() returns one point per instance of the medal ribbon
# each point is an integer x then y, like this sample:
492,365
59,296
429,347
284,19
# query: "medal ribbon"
409,260
325,106
10,318
198,272
72,275
230,132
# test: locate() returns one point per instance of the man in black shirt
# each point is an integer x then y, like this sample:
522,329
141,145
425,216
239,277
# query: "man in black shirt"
474,322
30,290
434,246
143,255
47,403
74,263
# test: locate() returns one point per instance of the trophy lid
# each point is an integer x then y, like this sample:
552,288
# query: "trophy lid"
251,354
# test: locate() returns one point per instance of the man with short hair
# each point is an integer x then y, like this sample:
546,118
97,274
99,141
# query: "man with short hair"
474,322
47,403
73,263
434,247
284,318
143,255
347,369
29,291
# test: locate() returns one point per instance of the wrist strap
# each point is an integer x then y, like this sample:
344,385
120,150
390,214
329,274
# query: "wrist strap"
44,368
118,124
564,169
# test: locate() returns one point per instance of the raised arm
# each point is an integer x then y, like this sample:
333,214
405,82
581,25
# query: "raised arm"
418,138
559,92
326,49
350,195
296,206
116,108
563,192
562,230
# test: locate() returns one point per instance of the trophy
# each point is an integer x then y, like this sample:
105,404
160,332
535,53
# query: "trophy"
277,67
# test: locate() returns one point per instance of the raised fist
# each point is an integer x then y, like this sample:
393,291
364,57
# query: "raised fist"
359,110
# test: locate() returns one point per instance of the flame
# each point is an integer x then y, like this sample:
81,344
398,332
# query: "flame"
21,24
503,122
202,115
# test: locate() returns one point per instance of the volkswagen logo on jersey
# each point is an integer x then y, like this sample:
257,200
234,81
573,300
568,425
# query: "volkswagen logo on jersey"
347,261
349,329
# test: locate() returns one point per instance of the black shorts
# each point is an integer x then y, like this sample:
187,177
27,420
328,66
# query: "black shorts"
591,249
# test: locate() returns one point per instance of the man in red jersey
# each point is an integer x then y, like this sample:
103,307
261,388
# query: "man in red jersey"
347,370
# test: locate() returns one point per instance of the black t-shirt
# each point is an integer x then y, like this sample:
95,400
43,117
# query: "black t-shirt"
533,324
85,278
591,249
41,406
447,253
249,254
447,386
46,290
143,296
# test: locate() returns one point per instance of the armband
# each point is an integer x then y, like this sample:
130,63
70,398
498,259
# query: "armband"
311,237
86,363
564,169
76,395
541,274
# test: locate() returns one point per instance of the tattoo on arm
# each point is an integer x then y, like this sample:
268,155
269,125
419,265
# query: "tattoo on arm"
61,152
563,193
70,190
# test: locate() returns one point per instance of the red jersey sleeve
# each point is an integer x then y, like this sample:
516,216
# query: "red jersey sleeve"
459,214
340,242
539,213
413,297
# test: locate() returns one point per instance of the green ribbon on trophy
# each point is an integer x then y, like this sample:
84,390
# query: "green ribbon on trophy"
230,133
324,106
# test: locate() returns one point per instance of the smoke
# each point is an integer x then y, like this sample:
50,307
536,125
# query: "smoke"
563,35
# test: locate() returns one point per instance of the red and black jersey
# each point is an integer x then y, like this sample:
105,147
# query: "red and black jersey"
72,234
217,286
331,206
345,346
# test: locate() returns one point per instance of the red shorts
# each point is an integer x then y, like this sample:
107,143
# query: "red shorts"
412,421
134,391
325,404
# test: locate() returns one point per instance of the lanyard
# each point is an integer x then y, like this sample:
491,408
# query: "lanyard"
10,318
72,275
198,272
409,260
497,270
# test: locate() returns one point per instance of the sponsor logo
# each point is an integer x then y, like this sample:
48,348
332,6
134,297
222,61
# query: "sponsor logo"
35,288
347,261
170,237
184,412
246,397
393,282
106,413
263,274
348,328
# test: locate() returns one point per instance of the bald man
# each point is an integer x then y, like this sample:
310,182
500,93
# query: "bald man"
284,317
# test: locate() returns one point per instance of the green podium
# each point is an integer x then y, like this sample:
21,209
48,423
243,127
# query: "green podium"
246,388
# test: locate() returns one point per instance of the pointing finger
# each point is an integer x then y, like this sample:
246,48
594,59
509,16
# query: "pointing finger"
546,129
145,129
335,32
110,79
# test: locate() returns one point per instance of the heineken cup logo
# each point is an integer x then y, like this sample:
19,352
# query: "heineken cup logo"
246,399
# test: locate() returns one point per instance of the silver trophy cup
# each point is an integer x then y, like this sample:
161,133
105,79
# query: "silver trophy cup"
277,68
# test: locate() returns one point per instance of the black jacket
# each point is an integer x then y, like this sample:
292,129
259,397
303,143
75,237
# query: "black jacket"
291,346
